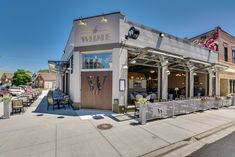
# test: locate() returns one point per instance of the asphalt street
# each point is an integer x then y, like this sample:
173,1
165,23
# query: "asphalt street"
224,147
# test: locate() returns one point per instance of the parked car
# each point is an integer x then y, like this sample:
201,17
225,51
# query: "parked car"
23,87
4,91
16,91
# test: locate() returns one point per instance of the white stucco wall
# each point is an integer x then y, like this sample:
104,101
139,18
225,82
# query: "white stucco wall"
119,60
75,79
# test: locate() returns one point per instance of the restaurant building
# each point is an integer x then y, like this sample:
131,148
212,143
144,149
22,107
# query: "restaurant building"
108,60
223,42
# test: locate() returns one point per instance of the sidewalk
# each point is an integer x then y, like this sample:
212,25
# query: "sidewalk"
49,135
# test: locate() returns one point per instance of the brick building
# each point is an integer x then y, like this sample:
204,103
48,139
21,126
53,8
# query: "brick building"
223,42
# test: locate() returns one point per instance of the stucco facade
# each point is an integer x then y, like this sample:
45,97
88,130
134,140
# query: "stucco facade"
92,36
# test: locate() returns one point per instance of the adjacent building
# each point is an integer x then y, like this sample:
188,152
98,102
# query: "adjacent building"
6,78
109,60
223,42
45,80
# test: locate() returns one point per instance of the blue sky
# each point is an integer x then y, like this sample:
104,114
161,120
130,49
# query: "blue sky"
34,31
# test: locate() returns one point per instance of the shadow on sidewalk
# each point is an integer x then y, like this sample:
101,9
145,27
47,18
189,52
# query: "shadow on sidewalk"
42,109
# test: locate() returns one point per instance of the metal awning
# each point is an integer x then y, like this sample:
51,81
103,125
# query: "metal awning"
153,57
58,66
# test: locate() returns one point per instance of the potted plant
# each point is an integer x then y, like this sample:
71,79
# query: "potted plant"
6,106
218,102
229,100
233,99
143,104
204,101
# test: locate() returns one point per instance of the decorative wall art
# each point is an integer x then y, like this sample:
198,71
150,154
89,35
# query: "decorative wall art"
96,84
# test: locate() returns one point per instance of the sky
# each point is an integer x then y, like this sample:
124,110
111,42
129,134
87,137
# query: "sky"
35,31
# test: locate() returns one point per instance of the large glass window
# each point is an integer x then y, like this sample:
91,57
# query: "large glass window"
225,54
233,51
97,60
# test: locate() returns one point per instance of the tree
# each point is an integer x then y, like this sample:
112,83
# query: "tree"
43,71
21,77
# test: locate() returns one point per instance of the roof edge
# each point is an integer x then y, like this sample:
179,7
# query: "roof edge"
104,14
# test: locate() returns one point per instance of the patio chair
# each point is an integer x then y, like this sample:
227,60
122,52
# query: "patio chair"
66,101
17,105
25,100
50,101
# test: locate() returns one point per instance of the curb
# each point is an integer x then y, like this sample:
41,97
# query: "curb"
175,146
215,130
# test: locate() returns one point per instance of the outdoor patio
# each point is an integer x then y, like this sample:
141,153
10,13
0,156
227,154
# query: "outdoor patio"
38,132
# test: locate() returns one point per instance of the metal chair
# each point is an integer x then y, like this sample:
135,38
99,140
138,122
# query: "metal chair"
17,105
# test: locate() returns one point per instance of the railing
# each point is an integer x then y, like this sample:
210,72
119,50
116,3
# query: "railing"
160,110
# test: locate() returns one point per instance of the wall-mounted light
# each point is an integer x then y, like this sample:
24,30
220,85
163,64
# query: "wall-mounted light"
125,67
133,33
168,72
152,71
161,35
69,69
194,74
104,19
82,22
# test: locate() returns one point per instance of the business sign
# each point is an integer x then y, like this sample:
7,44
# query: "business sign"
96,35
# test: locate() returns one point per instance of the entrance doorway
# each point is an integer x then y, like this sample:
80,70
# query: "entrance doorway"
96,90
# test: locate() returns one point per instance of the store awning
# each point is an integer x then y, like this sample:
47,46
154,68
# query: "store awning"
58,66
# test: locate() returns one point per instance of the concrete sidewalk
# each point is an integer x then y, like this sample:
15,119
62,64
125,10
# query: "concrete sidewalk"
49,135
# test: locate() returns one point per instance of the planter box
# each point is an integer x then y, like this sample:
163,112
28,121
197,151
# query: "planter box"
6,109
142,118
1,109
233,100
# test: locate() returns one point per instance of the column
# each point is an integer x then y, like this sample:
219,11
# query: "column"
211,75
217,83
159,83
191,83
164,80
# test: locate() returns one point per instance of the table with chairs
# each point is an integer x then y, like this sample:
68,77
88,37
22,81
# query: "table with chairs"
58,99
24,100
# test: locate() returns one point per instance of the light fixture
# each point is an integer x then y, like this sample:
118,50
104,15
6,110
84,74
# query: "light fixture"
82,22
194,74
133,33
161,35
104,19
125,67
133,61
152,71
132,77
168,72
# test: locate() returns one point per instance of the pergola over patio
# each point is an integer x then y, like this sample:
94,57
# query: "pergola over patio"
166,63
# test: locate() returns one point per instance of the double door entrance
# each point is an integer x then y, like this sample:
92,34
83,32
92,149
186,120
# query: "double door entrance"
96,90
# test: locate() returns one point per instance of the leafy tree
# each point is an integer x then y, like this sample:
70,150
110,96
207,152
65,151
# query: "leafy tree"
21,77
43,70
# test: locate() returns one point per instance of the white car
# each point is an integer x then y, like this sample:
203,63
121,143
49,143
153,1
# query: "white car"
16,90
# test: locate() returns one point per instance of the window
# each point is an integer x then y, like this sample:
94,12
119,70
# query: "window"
71,62
231,86
233,53
226,54
97,60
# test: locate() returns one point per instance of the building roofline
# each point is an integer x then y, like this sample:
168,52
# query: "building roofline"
186,41
226,32
104,14
203,33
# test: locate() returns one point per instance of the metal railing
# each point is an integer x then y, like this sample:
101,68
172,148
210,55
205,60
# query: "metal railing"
179,107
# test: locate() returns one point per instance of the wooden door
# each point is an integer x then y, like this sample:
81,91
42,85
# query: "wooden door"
96,90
